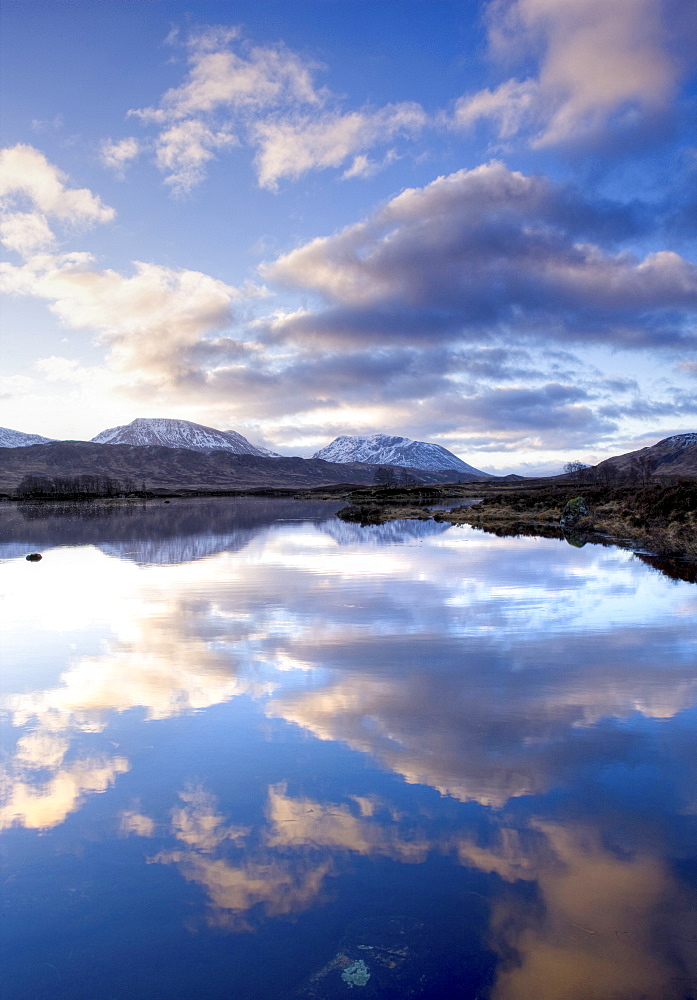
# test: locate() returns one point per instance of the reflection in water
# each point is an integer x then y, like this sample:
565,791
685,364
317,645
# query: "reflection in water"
604,923
331,711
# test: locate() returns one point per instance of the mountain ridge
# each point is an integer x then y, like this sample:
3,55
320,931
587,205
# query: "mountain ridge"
675,455
388,449
174,433
159,469
20,439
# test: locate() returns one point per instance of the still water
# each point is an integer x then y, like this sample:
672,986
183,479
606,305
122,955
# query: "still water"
251,752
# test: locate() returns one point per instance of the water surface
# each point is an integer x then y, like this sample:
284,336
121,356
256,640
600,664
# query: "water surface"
246,744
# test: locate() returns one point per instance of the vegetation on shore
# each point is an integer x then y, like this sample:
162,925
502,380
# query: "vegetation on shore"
660,518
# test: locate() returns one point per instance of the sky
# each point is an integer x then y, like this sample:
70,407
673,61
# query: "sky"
471,223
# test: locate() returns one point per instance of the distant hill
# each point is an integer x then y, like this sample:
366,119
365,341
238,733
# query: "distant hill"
169,433
158,468
673,456
386,449
18,439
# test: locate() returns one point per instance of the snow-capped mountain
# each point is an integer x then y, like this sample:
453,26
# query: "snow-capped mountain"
680,440
18,439
384,449
672,456
179,434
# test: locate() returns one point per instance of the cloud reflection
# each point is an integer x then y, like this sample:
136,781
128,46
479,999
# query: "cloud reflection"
40,804
604,923
235,885
468,663
601,921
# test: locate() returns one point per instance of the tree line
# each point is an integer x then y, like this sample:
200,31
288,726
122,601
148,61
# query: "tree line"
387,475
639,472
72,487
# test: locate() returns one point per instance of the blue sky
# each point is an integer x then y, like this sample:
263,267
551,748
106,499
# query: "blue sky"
466,222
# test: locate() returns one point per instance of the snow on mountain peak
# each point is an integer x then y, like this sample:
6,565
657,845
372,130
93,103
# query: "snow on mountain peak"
18,439
168,433
681,440
387,449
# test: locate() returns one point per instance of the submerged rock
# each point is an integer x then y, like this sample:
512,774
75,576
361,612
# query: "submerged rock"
356,974
383,957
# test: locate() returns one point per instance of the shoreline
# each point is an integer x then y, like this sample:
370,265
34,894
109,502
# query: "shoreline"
658,522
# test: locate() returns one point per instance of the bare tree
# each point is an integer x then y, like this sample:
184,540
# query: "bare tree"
642,469
609,473
576,469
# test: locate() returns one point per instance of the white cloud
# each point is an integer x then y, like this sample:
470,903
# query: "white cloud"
218,77
24,232
117,155
263,97
149,319
489,250
223,92
26,174
291,148
15,385
184,149
600,63
45,806
509,105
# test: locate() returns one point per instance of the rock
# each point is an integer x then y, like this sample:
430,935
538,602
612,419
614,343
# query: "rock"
362,513
356,974
34,557
379,958
574,510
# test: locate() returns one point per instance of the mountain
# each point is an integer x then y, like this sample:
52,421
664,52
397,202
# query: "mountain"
384,449
158,468
18,439
179,434
673,456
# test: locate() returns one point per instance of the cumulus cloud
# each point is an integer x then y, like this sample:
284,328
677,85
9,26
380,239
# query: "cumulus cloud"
292,147
602,66
490,251
149,319
256,77
45,805
228,86
184,149
117,155
263,97
27,176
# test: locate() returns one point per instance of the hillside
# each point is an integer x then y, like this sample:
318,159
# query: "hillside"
673,456
163,469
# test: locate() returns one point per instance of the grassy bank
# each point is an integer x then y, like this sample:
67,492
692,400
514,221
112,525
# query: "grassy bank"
660,519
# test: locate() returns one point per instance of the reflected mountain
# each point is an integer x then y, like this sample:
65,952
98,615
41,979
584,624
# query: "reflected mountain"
491,737
155,532
390,533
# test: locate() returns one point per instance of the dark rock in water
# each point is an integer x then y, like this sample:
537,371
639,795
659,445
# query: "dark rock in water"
362,513
34,557
377,957
573,512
